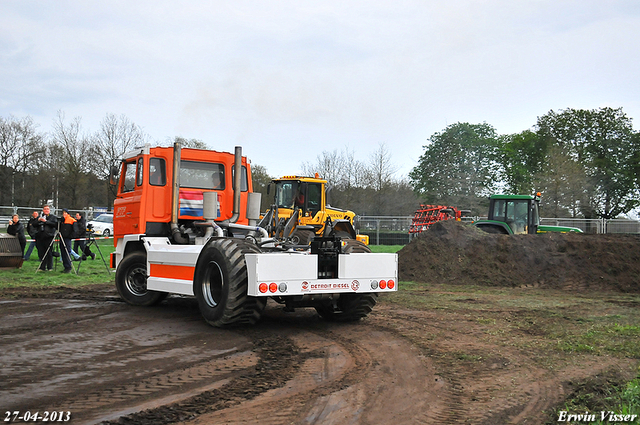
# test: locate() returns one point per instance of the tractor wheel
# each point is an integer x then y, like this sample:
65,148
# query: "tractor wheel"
131,281
349,307
302,237
220,284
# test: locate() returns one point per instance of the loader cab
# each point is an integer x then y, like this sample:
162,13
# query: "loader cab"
306,195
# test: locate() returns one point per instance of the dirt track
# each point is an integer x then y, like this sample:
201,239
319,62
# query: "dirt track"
87,353
439,355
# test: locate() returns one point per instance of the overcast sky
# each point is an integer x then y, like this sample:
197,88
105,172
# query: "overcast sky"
287,80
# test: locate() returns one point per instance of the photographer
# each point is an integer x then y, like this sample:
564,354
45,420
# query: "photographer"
81,242
17,229
67,230
47,226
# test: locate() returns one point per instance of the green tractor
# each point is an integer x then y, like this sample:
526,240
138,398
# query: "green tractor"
517,215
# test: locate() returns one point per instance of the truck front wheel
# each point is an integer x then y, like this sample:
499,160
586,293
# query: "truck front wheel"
220,284
131,281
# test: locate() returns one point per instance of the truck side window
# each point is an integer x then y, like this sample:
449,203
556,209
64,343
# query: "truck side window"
157,172
244,182
129,176
140,172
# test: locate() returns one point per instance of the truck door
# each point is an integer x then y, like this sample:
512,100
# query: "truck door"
126,207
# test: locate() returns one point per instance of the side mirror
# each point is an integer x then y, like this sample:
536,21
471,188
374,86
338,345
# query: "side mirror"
114,175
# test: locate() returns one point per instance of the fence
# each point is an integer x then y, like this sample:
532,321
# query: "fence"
383,230
391,230
25,214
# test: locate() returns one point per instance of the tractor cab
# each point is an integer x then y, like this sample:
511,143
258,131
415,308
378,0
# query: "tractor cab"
518,213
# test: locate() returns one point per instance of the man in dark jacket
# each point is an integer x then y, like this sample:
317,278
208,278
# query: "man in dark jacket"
16,228
32,229
68,229
80,245
48,225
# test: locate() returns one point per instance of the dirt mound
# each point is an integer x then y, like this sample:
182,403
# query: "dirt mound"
458,253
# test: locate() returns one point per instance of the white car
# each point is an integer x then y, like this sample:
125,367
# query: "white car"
102,225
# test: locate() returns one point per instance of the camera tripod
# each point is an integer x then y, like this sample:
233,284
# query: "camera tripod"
57,237
89,241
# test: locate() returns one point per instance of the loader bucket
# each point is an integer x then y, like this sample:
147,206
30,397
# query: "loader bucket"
10,252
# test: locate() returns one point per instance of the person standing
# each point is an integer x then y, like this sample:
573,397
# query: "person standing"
48,224
67,233
80,244
32,229
17,229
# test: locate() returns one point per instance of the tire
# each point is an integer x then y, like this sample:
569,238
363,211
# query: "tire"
106,233
349,307
131,281
220,284
302,237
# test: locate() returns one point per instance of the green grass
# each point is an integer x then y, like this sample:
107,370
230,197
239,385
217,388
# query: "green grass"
556,321
386,248
90,272
605,395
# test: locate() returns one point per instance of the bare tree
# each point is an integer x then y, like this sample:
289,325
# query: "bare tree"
20,147
74,159
117,136
191,143
329,165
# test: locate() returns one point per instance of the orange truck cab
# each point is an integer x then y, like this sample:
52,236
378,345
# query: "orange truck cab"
143,205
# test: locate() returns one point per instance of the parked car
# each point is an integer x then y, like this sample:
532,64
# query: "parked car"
102,225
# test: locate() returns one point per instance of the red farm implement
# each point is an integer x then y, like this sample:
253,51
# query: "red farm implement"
426,215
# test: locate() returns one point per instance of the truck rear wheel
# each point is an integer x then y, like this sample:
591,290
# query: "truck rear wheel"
349,307
131,281
220,284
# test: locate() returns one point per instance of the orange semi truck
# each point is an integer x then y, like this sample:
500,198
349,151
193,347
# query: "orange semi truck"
187,222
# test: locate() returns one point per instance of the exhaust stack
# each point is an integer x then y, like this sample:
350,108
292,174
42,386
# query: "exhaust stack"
237,184
175,196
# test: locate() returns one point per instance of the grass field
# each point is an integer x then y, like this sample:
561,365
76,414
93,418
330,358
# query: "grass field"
89,272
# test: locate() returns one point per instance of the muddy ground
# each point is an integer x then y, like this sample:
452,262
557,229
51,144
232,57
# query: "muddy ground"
487,340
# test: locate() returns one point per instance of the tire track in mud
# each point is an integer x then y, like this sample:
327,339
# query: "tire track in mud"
92,357
352,373
113,363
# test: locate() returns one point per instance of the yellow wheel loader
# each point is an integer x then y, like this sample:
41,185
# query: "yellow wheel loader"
306,197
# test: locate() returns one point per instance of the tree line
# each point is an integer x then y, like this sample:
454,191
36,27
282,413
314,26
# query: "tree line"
585,162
